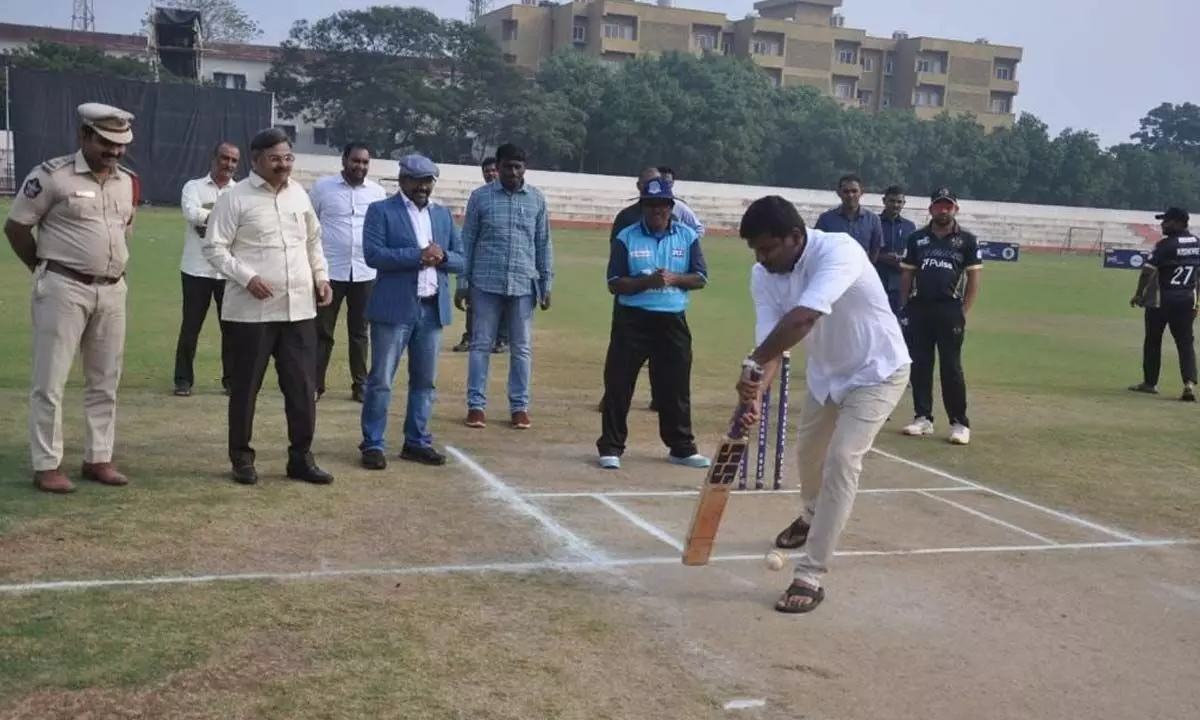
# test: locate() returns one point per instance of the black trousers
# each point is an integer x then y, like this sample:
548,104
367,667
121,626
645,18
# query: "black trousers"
1180,318
666,341
937,327
355,295
198,294
293,345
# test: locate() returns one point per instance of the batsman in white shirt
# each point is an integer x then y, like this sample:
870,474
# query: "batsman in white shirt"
202,284
821,289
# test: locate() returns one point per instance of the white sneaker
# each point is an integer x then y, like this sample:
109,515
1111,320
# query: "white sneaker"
920,426
960,435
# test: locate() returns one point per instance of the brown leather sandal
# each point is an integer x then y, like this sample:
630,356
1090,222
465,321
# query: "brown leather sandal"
794,536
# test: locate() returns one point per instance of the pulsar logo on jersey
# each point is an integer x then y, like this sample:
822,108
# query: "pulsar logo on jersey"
641,254
922,242
677,252
937,263
1192,251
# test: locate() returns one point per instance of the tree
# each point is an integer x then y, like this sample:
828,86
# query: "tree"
220,20
397,78
1171,128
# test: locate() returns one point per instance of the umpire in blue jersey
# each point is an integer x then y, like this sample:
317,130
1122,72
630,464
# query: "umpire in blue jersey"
653,264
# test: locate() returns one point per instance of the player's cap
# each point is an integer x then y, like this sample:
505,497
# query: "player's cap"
111,123
418,167
657,189
942,194
1173,213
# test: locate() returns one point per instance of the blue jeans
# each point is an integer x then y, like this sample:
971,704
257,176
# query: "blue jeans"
422,339
487,308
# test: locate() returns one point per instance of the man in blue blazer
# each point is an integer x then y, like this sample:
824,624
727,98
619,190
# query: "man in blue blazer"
414,245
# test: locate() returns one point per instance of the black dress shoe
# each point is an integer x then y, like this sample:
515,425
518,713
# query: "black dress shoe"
305,469
245,475
356,395
183,390
423,455
374,460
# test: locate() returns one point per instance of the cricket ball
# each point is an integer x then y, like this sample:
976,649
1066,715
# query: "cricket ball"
774,560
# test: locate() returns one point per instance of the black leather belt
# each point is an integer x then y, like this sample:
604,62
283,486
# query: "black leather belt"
56,267
431,300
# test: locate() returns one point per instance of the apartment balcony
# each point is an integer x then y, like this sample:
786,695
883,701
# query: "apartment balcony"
932,78
1006,86
847,69
618,45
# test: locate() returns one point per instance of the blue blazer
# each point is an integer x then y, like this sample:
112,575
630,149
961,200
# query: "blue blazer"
390,246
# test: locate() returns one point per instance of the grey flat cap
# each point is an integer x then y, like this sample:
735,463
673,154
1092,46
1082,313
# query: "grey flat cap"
111,123
417,166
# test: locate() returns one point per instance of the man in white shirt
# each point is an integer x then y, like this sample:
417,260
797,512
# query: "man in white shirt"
821,288
202,285
265,238
340,202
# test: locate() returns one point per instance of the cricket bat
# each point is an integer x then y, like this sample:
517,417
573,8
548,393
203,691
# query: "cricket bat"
706,518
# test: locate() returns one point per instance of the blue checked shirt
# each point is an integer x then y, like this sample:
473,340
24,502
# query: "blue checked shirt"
506,241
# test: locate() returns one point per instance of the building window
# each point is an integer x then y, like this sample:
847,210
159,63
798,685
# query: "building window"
579,33
766,46
868,63
927,97
1004,72
613,31
865,97
290,130
843,90
229,81
1001,105
510,58
727,43
320,137
889,65
846,57
509,30
931,64
885,99
705,40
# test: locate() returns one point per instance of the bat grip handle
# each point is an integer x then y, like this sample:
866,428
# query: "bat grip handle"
753,372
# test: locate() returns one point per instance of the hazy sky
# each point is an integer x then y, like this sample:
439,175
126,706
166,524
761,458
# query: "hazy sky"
1095,64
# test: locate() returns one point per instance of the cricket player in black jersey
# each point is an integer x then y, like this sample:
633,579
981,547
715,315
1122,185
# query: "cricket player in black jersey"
1173,268
939,280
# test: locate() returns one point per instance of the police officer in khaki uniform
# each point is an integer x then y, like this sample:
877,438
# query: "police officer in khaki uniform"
82,207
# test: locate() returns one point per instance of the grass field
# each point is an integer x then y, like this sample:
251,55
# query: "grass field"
1050,348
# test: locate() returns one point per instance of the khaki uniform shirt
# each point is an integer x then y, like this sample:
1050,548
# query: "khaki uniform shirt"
255,231
82,222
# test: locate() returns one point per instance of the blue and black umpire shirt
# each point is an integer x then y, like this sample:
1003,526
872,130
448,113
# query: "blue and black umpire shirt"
638,251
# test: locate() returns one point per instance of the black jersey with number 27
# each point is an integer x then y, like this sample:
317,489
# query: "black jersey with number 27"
1177,260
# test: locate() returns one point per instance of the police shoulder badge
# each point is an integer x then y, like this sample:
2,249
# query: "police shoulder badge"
33,188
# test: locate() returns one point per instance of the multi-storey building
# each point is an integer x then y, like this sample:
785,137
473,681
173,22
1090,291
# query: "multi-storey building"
796,42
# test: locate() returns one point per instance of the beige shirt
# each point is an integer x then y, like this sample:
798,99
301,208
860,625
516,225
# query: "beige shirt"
198,193
254,231
81,222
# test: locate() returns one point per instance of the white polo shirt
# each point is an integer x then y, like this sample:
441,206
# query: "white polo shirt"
197,193
857,342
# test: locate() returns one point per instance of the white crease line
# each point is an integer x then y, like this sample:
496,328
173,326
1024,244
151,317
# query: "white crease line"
541,566
989,518
748,493
573,542
640,521
745,704
1011,498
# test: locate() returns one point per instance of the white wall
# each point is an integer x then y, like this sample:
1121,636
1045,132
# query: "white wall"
597,199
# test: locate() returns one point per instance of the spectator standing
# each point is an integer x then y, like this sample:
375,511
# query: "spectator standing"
264,236
414,245
853,219
202,285
509,266
462,298
340,202
896,229
653,266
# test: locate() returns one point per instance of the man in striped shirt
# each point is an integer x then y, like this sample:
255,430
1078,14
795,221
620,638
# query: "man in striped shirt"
509,261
